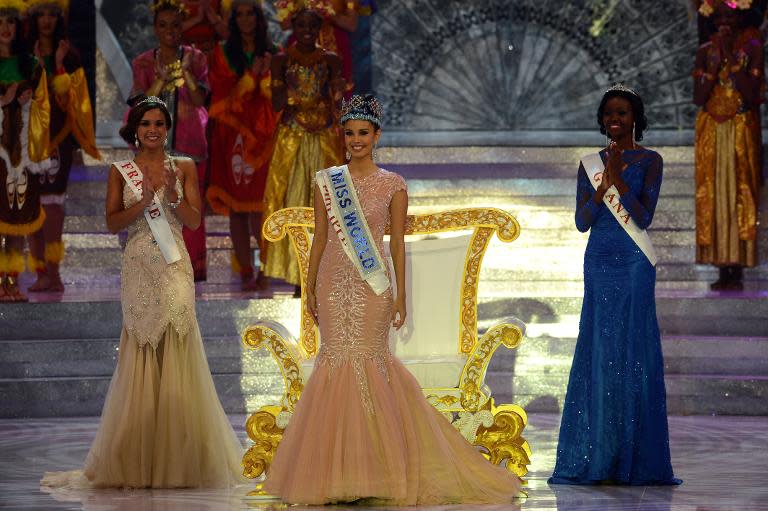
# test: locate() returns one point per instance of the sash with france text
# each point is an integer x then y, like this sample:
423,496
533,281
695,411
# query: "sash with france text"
154,213
345,216
594,167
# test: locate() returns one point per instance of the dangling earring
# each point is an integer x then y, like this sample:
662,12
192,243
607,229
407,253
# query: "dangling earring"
165,142
348,155
634,146
136,141
374,152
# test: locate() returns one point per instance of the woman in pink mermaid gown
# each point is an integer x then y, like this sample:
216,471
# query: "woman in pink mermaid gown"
362,428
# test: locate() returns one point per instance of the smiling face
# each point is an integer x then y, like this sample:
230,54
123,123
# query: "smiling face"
168,28
360,137
46,22
618,118
306,27
7,30
152,129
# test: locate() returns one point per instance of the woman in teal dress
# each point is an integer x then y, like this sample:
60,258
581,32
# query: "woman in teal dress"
614,425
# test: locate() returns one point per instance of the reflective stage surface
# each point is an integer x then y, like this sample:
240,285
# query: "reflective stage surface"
721,459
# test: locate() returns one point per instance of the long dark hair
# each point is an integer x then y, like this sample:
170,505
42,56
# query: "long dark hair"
58,34
233,46
139,107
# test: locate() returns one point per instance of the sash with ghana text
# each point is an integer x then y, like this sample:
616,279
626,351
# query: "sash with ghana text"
594,167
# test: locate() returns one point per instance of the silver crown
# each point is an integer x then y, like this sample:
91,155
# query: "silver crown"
621,88
152,99
365,108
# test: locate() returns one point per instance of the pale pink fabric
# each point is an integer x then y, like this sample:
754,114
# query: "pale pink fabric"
362,428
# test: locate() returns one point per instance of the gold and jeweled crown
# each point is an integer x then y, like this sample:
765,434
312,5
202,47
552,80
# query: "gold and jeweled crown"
365,108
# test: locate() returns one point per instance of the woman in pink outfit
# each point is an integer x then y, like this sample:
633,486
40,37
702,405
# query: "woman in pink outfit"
363,429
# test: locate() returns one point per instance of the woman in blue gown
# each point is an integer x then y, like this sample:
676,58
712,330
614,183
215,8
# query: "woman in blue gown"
614,425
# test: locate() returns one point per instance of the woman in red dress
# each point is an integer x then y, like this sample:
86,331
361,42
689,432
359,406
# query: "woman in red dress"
243,129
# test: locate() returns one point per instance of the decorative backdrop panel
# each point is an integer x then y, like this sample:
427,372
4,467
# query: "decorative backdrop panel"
529,64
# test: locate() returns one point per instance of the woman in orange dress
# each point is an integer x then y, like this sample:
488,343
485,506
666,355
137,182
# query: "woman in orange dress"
362,428
243,130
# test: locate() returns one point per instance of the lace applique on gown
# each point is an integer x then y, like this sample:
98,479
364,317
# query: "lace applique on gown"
362,428
162,425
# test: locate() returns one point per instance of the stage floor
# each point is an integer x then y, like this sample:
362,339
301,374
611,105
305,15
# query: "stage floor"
721,459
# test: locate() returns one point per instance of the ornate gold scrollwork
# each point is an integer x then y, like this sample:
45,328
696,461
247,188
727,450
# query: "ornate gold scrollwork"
473,374
503,439
262,428
258,336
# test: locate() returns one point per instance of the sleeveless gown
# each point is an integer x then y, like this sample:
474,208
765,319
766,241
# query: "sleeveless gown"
362,428
614,424
162,425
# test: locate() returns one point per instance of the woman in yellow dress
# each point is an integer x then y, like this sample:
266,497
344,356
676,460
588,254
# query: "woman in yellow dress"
306,86
24,115
728,85
71,126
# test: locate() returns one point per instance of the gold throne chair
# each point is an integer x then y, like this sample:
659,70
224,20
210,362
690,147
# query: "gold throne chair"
439,343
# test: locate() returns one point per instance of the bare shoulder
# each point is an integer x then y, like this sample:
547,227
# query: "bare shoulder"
185,165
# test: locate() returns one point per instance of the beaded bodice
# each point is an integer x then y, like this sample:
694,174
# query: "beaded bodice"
308,92
155,295
354,321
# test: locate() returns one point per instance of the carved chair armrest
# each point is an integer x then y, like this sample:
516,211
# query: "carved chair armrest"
286,352
510,333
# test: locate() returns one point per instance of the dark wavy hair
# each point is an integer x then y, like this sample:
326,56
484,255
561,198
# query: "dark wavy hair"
138,109
638,111
233,46
58,34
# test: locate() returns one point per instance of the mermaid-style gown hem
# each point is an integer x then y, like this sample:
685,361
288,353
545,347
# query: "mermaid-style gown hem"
614,424
362,428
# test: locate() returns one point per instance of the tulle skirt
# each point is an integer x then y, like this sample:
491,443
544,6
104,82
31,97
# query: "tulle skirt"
404,453
162,425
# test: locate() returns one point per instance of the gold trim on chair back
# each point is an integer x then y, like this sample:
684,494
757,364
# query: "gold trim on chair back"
296,222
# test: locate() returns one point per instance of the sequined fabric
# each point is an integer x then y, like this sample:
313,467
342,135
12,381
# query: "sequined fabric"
155,294
614,425
362,428
354,321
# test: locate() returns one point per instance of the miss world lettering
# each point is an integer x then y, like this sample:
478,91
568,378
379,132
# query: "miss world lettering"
352,222
613,200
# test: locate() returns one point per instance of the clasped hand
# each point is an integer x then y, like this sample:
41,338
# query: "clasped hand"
613,167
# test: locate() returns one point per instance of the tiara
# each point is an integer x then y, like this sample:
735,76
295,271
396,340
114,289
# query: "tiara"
707,7
620,87
364,108
152,99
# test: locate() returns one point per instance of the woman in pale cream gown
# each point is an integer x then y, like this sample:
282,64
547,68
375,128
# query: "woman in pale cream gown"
162,425
362,428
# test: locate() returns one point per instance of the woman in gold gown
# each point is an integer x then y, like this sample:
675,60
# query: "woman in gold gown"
306,86
728,85
162,425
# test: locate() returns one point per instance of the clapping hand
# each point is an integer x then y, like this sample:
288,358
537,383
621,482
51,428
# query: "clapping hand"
170,184
61,52
10,95
147,193
261,64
